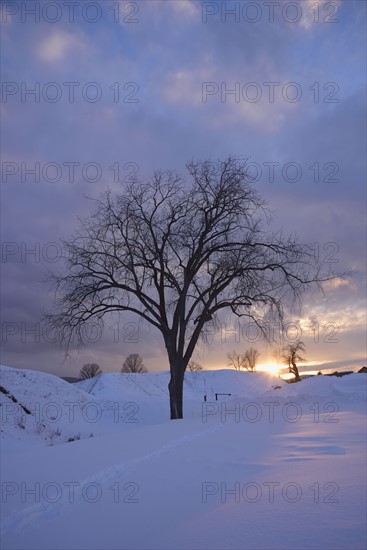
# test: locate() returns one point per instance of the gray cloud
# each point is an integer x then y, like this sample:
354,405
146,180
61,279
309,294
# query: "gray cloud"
167,56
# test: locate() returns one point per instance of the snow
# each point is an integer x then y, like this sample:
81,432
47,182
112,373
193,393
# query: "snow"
271,466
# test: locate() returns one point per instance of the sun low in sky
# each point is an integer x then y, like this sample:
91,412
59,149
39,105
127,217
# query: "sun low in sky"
271,368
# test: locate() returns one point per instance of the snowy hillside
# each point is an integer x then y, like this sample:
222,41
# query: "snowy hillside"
260,464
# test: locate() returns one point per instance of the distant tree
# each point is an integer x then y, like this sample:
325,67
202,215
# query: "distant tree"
134,363
245,361
236,361
90,370
193,366
291,356
251,356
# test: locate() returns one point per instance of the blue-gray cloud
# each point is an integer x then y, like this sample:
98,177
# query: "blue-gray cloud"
160,66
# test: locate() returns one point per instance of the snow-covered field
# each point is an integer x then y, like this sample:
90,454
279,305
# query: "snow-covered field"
99,465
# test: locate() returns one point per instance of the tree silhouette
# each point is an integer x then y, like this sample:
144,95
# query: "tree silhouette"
251,357
236,361
134,363
177,254
291,357
90,370
194,366
244,361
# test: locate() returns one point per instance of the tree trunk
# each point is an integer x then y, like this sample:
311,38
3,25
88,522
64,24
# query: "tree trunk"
175,388
294,370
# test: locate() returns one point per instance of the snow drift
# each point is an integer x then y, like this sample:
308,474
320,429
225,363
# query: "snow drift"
270,466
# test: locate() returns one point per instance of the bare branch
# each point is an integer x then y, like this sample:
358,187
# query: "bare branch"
178,255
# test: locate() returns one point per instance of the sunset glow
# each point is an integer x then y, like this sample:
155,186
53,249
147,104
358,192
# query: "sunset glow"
270,368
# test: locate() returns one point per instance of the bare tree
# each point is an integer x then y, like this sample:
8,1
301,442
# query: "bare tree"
90,370
236,361
194,366
178,254
245,361
291,357
134,363
251,356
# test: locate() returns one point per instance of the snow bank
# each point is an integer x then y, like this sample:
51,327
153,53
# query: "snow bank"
41,407
196,385
146,482
30,386
351,387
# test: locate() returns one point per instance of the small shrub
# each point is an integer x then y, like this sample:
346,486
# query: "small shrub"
74,438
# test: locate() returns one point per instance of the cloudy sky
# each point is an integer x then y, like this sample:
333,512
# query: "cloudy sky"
94,93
